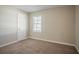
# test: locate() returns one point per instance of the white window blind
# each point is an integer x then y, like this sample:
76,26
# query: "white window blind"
37,24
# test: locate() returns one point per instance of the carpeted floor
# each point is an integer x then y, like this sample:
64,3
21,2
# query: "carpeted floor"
32,46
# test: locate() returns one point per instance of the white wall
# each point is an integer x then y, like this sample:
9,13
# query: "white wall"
77,26
57,25
9,24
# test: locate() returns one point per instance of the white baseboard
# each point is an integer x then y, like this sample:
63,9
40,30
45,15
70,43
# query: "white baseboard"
57,42
53,41
77,48
6,44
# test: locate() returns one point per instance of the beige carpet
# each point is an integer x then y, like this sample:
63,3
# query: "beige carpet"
32,46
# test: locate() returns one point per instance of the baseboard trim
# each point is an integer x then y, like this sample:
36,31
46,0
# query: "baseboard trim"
53,41
56,42
6,44
77,48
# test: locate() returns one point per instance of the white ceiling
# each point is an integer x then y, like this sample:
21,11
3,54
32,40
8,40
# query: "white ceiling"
33,8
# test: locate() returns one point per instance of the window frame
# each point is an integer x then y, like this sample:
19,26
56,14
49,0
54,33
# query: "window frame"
36,23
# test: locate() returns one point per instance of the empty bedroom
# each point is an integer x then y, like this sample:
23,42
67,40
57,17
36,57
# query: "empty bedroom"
39,29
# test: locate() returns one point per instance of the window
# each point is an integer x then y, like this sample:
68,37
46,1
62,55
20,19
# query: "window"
37,24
